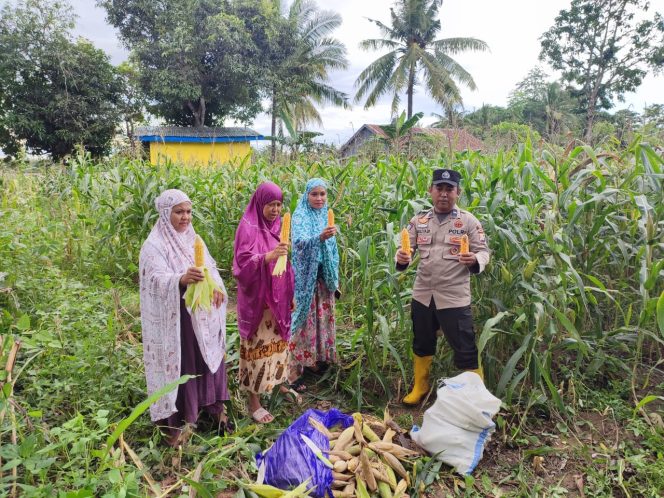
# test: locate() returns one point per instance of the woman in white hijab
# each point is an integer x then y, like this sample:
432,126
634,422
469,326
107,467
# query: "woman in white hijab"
175,341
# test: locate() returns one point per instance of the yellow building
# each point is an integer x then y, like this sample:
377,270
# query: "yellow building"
196,146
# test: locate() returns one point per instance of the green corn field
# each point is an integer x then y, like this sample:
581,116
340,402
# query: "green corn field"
569,316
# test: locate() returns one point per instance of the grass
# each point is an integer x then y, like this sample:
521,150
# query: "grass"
565,313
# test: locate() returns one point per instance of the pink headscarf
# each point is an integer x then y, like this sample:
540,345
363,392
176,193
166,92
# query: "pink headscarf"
257,288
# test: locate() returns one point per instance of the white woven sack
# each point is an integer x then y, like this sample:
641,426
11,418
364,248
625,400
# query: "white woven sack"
459,424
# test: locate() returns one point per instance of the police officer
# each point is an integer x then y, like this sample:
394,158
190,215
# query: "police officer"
441,294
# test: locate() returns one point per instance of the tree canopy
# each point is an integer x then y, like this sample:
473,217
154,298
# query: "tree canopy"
55,92
415,56
301,57
604,49
198,60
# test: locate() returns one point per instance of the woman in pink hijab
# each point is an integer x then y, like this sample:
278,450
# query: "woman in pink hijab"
175,340
264,302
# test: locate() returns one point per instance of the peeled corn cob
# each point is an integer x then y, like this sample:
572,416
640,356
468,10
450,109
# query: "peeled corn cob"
285,228
330,218
280,267
199,252
405,241
465,246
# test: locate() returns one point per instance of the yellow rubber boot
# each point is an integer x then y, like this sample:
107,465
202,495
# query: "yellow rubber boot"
478,371
421,367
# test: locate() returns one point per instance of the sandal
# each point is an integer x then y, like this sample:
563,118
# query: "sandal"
260,414
296,396
298,385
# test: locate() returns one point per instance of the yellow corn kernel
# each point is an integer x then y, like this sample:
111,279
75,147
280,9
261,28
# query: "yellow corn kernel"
330,218
465,245
199,252
285,228
405,241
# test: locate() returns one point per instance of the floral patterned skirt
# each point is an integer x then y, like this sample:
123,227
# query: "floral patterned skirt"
315,341
263,358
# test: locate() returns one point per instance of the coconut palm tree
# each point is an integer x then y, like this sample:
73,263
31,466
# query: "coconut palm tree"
415,56
305,54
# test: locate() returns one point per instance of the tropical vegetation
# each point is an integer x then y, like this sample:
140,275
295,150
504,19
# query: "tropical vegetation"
570,319
415,57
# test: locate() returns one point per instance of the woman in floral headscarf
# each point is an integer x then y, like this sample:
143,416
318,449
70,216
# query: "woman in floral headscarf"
316,266
175,341
264,301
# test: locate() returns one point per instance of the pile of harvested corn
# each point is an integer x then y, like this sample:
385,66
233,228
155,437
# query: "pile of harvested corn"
370,456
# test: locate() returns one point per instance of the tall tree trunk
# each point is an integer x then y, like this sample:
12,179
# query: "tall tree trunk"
198,112
411,84
590,118
273,152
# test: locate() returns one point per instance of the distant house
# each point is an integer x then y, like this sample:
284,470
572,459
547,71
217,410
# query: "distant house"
454,138
196,146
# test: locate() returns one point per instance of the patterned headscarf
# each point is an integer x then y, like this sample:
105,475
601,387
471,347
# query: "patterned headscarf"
309,252
165,257
257,288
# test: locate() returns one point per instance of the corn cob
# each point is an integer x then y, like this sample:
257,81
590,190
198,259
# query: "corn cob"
362,489
340,466
341,455
465,247
200,294
285,228
330,218
280,266
199,252
405,241
395,449
384,490
368,433
395,464
342,493
344,439
366,472
401,489
389,434
353,450
340,476
320,427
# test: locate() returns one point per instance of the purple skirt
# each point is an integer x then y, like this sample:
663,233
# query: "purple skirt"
208,391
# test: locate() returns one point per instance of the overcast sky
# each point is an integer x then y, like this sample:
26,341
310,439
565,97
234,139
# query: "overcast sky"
510,27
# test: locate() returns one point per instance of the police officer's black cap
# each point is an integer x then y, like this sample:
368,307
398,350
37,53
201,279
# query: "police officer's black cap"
446,176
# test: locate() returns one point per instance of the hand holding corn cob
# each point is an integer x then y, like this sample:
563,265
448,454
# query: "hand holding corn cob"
280,267
330,230
404,253
465,245
202,290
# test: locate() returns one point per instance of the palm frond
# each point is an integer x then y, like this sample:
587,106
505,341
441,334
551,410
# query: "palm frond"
458,45
455,70
378,43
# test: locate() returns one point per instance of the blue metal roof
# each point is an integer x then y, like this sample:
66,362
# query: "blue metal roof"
205,140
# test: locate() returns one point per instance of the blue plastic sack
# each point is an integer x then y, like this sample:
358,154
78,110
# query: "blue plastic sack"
290,462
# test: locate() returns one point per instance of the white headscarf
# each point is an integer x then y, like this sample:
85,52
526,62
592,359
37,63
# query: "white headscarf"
165,257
